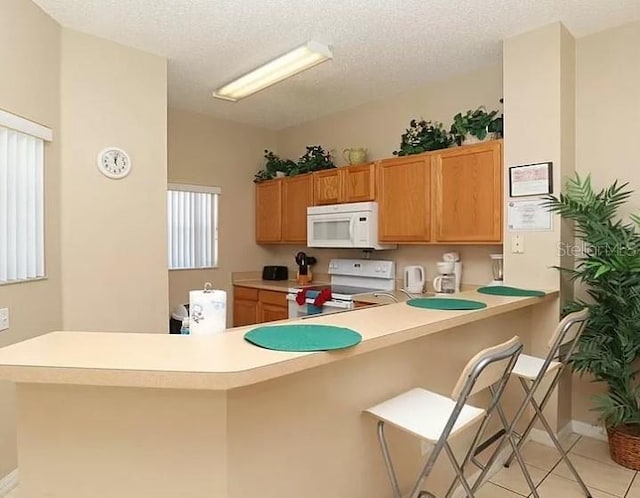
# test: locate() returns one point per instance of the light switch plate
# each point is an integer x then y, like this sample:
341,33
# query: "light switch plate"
4,318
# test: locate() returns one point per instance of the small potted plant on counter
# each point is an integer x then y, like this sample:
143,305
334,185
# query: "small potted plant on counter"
609,267
274,167
476,126
422,136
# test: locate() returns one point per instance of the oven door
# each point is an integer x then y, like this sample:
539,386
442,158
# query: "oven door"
331,230
300,310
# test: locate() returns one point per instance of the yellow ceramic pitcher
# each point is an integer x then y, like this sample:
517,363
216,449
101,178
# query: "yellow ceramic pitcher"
355,155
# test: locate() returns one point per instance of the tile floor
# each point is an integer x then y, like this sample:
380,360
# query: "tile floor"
604,478
590,457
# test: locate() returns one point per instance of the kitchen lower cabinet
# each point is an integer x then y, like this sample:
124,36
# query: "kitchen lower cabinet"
281,210
346,184
467,194
404,199
245,306
251,306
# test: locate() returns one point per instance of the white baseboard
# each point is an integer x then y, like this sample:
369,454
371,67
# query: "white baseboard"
589,430
573,427
8,483
541,436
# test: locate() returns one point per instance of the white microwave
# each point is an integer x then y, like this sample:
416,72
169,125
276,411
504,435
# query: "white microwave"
353,225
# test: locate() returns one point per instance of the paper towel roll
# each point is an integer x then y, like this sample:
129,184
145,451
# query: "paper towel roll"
207,312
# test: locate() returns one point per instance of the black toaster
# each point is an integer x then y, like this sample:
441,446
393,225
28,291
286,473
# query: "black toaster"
272,272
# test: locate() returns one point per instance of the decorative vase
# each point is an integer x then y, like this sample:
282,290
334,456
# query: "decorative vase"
472,139
355,155
624,446
280,174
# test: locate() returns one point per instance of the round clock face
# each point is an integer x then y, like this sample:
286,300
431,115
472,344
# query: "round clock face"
114,162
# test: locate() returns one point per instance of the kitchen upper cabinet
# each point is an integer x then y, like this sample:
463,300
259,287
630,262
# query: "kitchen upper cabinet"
345,184
404,198
467,194
281,210
297,195
269,211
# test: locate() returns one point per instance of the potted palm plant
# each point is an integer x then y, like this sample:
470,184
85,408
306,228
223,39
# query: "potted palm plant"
608,265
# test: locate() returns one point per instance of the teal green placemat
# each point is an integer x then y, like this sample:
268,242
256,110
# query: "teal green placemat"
445,303
504,290
303,337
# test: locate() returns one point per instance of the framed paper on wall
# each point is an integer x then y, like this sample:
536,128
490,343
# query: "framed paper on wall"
531,179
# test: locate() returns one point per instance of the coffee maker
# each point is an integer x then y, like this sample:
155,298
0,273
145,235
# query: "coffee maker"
450,274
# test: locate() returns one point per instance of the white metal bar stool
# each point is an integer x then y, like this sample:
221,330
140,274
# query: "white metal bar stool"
436,419
531,371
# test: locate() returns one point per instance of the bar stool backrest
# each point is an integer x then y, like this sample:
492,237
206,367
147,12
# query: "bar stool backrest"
488,367
568,330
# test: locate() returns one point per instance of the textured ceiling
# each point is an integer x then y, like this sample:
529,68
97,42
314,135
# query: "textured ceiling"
380,47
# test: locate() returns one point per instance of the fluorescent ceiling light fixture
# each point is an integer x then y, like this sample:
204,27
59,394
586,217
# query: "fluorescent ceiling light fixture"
297,60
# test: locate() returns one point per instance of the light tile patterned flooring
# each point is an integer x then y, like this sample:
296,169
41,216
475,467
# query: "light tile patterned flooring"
604,478
590,457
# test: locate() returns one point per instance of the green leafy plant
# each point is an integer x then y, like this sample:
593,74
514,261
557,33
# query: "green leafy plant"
608,264
272,165
477,123
314,159
422,136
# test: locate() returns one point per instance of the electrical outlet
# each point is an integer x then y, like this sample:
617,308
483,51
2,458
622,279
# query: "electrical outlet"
517,244
4,318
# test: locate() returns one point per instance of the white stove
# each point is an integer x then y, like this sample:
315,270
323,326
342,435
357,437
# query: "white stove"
349,278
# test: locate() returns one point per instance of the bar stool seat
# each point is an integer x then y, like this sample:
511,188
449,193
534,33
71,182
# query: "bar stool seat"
425,414
435,418
529,367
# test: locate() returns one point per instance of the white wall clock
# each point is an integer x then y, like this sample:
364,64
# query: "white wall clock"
114,162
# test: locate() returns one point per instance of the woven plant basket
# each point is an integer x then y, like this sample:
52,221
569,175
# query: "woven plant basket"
624,446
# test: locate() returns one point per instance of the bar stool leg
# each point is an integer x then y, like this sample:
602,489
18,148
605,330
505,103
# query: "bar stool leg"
458,470
387,461
523,437
516,450
559,447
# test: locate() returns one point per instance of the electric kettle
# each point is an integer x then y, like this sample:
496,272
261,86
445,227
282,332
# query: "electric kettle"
414,279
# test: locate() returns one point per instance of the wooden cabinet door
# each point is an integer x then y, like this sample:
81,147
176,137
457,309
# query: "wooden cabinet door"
269,211
358,183
403,192
468,194
245,306
327,187
272,312
297,195
244,312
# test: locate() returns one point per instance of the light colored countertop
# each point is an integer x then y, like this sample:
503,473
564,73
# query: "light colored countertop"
225,361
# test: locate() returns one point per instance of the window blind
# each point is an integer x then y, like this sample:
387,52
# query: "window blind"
192,214
21,206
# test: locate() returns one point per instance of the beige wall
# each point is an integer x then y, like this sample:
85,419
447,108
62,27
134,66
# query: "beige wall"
207,151
607,124
546,105
29,86
113,231
378,126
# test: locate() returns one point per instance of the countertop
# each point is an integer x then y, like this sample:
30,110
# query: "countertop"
225,361
274,285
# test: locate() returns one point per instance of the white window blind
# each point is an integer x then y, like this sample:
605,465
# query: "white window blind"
21,201
192,214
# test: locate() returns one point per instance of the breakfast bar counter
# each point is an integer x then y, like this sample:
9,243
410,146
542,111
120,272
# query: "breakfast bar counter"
158,415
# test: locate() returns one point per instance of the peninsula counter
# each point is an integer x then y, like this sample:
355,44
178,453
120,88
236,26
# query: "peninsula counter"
102,415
